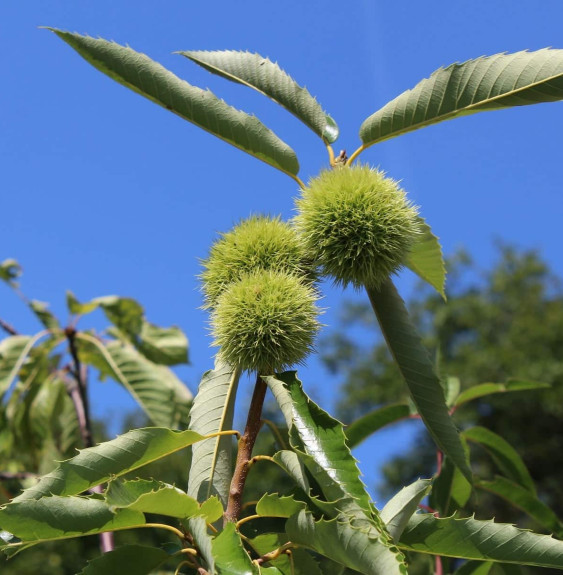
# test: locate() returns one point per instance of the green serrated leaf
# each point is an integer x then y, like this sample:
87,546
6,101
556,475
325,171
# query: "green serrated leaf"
484,389
211,509
521,498
321,437
130,559
482,540
40,309
165,399
163,345
111,459
403,505
148,78
418,372
75,307
356,548
293,466
10,270
426,259
274,505
230,555
269,79
504,455
368,424
54,517
212,411
487,83
151,496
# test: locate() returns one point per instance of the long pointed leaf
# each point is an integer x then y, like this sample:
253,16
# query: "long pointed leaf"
488,83
359,549
148,78
212,411
368,424
130,559
484,389
483,540
111,459
165,399
426,259
417,370
269,79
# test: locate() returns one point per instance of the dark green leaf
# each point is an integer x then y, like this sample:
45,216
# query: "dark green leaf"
165,399
426,259
504,455
125,313
365,426
230,556
417,370
10,270
201,107
357,548
212,412
485,389
269,79
487,83
57,517
522,499
450,490
111,459
151,496
475,568
129,559
482,540
403,505
163,345
293,466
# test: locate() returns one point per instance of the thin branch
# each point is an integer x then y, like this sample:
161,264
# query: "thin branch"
245,446
8,328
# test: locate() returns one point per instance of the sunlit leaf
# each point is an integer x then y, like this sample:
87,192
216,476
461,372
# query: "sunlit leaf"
414,363
487,83
483,540
163,345
13,351
484,389
230,555
269,79
403,505
293,466
368,424
274,505
111,459
426,259
212,411
10,270
148,78
40,309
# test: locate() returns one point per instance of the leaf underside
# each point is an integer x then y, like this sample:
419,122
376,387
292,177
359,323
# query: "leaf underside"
487,83
268,78
201,107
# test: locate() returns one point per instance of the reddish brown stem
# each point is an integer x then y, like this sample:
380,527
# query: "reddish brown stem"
438,563
244,455
8,328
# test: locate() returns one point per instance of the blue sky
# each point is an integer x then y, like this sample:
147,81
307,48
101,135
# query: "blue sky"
102,192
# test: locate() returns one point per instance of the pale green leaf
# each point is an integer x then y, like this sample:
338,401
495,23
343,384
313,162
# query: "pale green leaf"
197,526
111,459
40,309
212,412
163,345
482,540
274,505
151,496
414,363
125,313
403,505
51,518
269,79
504,455
75,307
129,559
521,498
426,259
212,509
10,270
148,78
230,555
356,548
293,466
13,351
487,83
165,399
373,421
484,389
